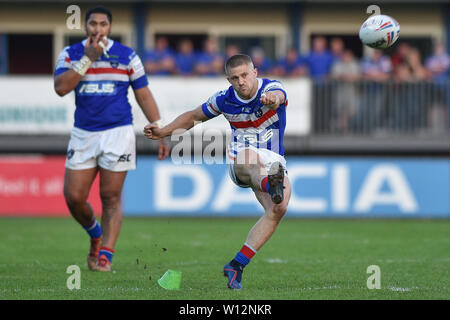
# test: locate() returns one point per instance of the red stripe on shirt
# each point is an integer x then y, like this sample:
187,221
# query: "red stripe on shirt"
106,70
67,60
213,108
256,123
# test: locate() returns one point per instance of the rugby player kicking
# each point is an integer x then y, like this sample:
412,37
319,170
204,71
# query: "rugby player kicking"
256,111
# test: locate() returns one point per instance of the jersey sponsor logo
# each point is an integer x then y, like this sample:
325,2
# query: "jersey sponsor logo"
97,89
253,138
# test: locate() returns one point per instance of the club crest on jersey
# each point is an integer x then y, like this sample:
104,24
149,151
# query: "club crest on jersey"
258,113
114,64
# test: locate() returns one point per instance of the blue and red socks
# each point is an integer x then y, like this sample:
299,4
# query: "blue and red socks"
265,184
94,229
107,252
244,256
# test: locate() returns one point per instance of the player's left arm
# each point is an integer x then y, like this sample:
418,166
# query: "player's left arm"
146,101
273,98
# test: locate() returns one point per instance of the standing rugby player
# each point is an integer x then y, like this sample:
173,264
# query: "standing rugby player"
102,141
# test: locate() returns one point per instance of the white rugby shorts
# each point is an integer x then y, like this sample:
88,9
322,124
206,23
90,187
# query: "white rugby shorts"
112,149
268,157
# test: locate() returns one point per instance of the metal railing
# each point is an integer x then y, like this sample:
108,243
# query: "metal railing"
391,108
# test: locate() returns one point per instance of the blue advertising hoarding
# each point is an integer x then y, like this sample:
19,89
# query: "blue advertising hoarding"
321,187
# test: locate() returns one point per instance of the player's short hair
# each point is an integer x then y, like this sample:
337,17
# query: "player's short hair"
238,60
99,9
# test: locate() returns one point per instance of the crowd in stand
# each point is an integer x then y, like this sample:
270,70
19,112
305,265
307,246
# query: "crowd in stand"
323,61
387,98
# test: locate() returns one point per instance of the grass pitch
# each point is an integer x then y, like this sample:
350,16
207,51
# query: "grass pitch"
305,259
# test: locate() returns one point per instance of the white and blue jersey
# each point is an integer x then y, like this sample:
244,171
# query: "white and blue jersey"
252,123
101,97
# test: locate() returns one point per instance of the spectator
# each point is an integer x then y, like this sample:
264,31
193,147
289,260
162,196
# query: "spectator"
345,71
438,66
319,62
209,62
319,59
439,63
231,50
337,48
161,60
292,65
376,67
406,100
400,54
185,58
413,60
261,63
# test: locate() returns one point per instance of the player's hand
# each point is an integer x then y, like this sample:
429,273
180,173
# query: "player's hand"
92,49
269,99
163,149
152,131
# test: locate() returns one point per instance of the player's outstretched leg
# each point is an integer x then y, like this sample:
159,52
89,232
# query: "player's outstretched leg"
273,191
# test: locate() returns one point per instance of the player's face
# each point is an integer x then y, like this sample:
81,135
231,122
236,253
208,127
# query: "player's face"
98,23
243,80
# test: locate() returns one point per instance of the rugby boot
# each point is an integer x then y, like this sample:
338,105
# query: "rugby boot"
276,182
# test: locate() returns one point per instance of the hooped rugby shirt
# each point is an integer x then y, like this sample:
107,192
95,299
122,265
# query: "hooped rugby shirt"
252,123
101,97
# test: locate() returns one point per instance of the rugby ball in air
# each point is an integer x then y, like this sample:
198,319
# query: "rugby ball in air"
379,31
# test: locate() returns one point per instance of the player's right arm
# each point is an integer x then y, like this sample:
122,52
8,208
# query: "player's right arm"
72,73
184,121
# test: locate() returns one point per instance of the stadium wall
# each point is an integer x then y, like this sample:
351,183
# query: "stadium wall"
325,187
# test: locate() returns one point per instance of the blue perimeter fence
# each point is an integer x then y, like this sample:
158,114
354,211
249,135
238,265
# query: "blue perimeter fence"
347,187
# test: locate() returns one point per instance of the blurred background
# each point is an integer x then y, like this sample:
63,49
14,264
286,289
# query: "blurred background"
367,130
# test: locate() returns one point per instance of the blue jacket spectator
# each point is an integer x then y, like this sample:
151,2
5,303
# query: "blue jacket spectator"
210,62
261,63
337,48
161,60
320,60
377,67
439,63
185,58
292,65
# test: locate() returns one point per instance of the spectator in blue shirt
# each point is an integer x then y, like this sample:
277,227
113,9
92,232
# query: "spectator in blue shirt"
210,62
337,48
231,50
319,59
261,63
292,65
185,58
376,67
160,60
439,63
